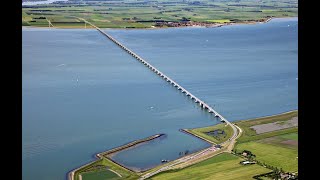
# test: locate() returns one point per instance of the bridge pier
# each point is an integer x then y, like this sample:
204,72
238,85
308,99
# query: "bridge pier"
200,105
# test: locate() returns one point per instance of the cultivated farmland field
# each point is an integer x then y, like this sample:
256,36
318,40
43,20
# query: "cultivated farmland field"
292,136
249,134
145,14
287,141
276,148
277,156
224,166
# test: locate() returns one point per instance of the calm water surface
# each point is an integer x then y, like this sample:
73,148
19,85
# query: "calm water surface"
83,95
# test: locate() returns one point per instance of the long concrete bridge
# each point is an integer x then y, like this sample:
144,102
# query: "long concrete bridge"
201,103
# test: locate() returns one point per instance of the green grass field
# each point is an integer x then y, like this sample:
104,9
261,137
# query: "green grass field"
277,148
217,139
244,138
273,155
292,136
224,167
100,175
96,169
250,134
286,141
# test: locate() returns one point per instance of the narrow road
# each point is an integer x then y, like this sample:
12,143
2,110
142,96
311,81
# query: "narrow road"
202,155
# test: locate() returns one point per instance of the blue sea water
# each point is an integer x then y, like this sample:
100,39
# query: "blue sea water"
83,95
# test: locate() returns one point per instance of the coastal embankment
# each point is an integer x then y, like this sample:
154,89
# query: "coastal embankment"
192,134
108,154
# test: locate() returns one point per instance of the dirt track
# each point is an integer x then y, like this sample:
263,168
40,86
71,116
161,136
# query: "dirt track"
263,128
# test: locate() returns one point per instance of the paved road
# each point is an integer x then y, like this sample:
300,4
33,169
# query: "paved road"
230,144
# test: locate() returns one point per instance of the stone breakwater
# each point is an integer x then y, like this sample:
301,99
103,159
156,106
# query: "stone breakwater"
107,154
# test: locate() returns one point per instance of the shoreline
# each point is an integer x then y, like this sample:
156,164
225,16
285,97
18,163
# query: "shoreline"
225,147
267,116
186,131
111,152
159,28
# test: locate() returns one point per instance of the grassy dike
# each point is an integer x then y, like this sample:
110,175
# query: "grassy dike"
100,165
99,168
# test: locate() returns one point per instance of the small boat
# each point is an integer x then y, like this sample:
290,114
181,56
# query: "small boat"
164,160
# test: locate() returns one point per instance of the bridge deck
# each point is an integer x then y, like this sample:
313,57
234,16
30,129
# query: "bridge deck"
165,77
